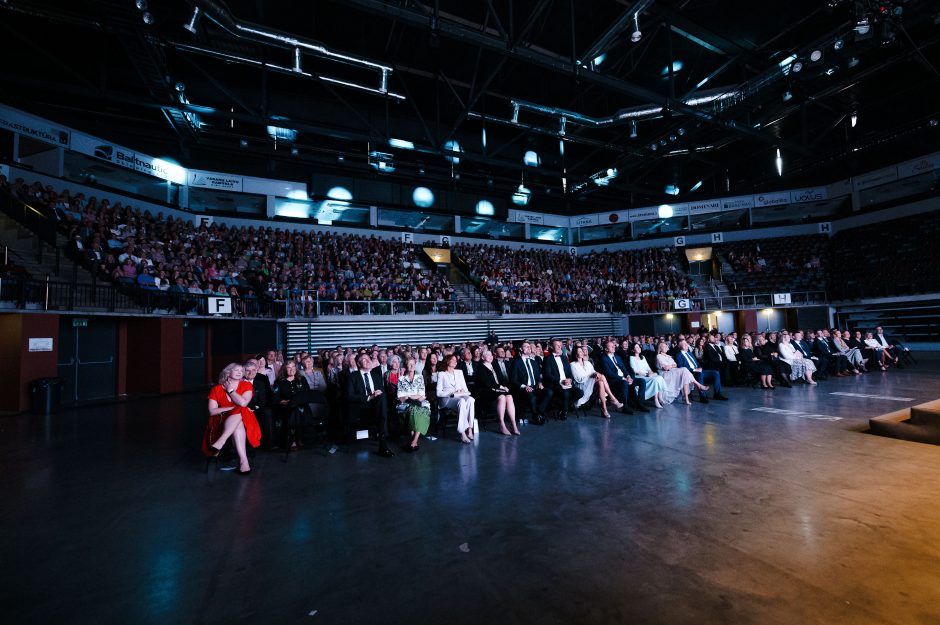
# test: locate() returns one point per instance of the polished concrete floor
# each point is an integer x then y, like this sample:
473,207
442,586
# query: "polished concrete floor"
724,513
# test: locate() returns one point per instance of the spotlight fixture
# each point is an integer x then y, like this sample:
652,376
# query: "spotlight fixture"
796,67
148,18
521,196
180,87
779,163
340,158
294,152
141,5
637,35
654,146
852,62
665,210
816,56
681,131
863,26
191,24
673,137
243,143
787,96
838,45
854,119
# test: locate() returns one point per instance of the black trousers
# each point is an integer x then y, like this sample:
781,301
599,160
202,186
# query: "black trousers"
569,396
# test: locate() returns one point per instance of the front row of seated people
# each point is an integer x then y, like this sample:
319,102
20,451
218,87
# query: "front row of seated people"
420,385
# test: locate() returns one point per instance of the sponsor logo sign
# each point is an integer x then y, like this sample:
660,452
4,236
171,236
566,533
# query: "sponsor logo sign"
34,127
809,195
213,180
772,199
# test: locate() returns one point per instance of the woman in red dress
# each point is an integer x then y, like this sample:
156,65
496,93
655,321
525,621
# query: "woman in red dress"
230,415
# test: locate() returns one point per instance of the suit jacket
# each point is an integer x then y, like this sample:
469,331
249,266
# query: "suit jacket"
607,367
688,360
488,381
503,378
551,375
471,380
518,376
263,395
821,347
356,392
714,357
803,348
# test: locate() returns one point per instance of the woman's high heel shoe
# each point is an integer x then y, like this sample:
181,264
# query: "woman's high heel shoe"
214,451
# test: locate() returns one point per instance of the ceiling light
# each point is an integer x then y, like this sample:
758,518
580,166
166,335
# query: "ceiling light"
452,146
191,25
633,133
282,134
839,44
141,5
423,197
815,56
676,67
654,147
852,62
531,159
243,143
854,119
600,58
785,62
402,144
294,152
797,67
672,189
637,35
148,18
665,211
339,197
485,207
779,163
521,196
863,27
787,96
696,186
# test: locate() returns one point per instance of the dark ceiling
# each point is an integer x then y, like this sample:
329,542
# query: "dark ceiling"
459,66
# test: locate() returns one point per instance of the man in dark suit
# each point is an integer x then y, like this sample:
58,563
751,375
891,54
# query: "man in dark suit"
892,348
557,379
525,376
365,396
503,366
622,385
822,349
469,368
805,347
685,358
261,400
714,357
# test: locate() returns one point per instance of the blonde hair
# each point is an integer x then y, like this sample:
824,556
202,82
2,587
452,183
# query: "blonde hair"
223,377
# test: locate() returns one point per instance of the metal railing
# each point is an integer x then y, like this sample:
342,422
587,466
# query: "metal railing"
40,220
306,305
54,295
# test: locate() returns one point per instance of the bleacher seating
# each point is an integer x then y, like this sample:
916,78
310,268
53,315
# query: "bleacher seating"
781,265
896,257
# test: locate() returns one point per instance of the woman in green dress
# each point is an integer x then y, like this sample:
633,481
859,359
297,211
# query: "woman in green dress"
411,392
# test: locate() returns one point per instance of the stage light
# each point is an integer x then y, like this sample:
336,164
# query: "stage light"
665,211
671,189
531,159
787,96
797,67
243,143
637,35
294,152
852,62
787,61
676,67
521,196
863,27
779,163
633,133
654,147
141,5
402,144
696,186
854,119
839,44
815,56
148,18
600,58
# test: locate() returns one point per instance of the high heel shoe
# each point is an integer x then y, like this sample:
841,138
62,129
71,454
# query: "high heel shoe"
214,451
605,414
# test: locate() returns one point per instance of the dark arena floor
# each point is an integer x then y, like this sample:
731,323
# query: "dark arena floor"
724,513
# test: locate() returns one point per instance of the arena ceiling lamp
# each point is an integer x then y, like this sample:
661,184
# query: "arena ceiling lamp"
423,197
522,195
637,35
665,211
453,149
531,158
402,144
854,119
485,208
779,162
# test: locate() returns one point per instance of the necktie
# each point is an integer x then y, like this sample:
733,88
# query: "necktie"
528,366
367,382
691,358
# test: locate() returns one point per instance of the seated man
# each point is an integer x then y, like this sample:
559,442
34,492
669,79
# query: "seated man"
806,346
891,348
822,349
714,357
557,379
364,394
624,387
469,367
685,358
261,401
525,376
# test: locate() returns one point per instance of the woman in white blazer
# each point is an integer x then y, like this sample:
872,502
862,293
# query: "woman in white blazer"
801,367
452,392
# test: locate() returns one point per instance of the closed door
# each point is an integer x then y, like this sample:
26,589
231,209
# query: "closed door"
86,358
194,354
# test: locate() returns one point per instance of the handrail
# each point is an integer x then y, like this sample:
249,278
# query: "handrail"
54,295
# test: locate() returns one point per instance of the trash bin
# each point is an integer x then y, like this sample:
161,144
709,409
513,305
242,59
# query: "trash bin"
45,396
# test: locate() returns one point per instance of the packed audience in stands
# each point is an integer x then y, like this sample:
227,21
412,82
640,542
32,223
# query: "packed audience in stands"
410,394
532,280
159,252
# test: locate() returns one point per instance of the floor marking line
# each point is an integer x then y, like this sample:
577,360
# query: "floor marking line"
796,413
888,397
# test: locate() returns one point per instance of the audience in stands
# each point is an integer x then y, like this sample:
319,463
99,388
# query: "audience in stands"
782,265
530,280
